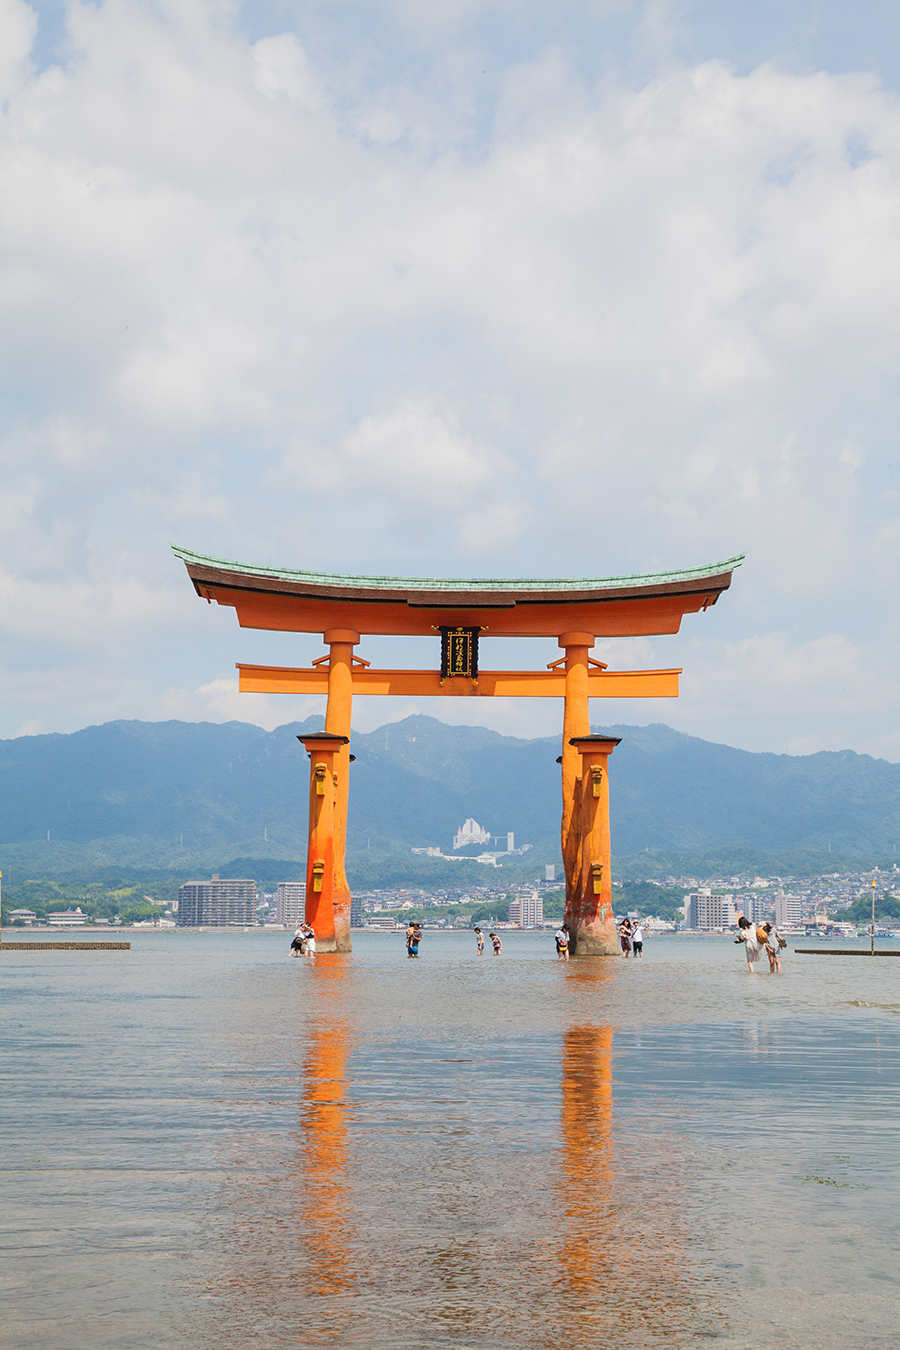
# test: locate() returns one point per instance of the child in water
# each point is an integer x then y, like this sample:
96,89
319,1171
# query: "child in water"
498,945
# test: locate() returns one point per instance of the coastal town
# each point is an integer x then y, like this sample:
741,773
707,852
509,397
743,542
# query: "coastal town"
835,905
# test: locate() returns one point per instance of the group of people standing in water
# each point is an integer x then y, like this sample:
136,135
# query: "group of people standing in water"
494,940
759,938
631,938
304,943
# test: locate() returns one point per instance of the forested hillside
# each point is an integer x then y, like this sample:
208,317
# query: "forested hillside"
175,794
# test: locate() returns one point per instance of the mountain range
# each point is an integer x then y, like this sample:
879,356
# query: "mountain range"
177,794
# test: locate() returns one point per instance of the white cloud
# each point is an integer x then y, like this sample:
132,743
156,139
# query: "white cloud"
220,701
30,728
18,26
278,312
281,67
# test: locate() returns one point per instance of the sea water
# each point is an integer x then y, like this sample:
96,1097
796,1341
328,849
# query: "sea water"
207,1143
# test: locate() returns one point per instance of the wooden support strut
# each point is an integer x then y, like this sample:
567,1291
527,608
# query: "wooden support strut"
427,683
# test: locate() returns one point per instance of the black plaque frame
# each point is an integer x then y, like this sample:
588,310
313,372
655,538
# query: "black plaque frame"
459,653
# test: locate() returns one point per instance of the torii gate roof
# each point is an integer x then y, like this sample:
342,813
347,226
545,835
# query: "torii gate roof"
312,602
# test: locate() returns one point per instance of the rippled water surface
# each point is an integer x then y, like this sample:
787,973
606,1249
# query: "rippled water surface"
207,1144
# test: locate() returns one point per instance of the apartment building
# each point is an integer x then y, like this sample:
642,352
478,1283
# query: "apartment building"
787,910
290,903
228,902
527,910
708,912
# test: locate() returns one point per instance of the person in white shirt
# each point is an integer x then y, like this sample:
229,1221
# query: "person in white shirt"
562,942
754,940
637,939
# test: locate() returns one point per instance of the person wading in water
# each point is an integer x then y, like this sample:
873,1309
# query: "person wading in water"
754,940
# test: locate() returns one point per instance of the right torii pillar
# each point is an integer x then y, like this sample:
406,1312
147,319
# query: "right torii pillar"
585,812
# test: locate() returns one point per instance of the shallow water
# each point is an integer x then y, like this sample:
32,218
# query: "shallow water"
207,1144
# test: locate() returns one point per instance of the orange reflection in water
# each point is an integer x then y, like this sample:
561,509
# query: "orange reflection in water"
282,1267
587,1146
324,1195
625,1257
422,1205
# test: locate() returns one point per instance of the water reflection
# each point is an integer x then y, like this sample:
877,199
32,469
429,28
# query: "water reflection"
626,1254
284,1229
452,1192
322,1145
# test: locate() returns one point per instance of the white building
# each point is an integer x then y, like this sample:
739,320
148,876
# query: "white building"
470,833
67,918
290,903
756,908
527,910
787,910
709,913
221,902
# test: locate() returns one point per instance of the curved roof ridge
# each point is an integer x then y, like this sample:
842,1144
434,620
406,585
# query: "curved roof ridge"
457,584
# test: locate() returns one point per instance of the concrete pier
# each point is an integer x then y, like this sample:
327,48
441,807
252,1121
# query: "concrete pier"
65,946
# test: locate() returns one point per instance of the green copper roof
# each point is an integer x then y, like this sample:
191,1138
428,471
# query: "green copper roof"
458,584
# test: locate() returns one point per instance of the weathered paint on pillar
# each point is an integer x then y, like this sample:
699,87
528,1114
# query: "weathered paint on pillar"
323,749
576,722
590,914
338,713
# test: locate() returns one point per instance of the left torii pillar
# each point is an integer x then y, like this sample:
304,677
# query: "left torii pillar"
328,907
324,751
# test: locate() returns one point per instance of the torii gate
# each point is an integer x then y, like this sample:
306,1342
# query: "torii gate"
574,612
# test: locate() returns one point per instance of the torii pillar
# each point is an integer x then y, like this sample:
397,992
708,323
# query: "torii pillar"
589,911
328,907
576,722
323,860
338,711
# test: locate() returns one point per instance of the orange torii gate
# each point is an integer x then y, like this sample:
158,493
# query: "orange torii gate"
574,612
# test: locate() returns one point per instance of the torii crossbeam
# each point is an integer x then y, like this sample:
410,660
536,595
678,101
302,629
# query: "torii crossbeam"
574,612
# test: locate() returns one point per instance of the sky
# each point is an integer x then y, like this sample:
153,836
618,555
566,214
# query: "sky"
465,288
